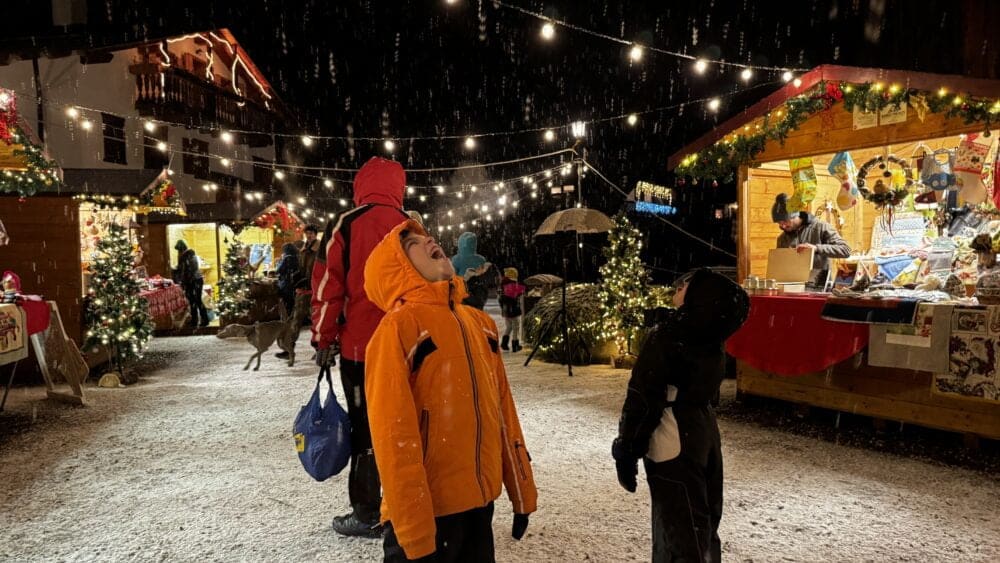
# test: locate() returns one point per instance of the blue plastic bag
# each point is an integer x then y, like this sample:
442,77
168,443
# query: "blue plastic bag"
322,433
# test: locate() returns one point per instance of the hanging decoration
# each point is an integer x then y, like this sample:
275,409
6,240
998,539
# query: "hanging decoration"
722,159
163,198
35,171
891,185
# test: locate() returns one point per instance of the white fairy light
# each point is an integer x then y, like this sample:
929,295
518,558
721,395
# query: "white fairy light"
548,31
534,195
161,146
713,104
225,162
502,200
389,145
410,190
797,82
470,143
440,189
550,135
746,75
72,112
328,183
579,128
548,173
302,201
635,53
514,204
632,119
149,126
786,76
343,202
226,137
423,198
248,196
87,124
279,174
700,66
307,141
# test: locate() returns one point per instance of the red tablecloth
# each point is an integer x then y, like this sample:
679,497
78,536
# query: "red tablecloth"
165,301
785,335
37,313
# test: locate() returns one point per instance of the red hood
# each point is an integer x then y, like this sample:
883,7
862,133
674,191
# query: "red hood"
380,181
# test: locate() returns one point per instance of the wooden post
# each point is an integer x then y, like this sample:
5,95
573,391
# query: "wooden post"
743,228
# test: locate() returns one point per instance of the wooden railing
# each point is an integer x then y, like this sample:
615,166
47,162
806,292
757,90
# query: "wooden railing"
176,96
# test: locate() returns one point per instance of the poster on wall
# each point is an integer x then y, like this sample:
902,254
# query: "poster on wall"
891,114
864,119
974,347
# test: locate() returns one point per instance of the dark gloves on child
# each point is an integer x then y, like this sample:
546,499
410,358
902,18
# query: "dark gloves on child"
520,525
626,466
327,357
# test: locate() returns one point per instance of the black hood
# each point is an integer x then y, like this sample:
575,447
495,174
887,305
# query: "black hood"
714,306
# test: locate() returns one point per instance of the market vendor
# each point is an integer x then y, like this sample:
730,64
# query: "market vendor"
803,231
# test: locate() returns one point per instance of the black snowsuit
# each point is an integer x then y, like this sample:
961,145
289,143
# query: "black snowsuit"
683,356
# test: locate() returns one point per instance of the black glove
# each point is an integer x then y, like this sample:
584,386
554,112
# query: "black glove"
626,465
520,525
327,357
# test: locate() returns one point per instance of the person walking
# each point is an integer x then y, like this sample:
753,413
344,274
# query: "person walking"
343,320
511,308
188,274
444,425
288,272
668,421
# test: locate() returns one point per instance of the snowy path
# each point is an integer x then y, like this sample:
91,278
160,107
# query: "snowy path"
196,463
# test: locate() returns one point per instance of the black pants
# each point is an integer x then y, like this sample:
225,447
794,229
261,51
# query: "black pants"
466,536
193,293
686,497
363,485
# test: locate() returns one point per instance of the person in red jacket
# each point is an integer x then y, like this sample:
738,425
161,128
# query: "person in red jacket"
343,321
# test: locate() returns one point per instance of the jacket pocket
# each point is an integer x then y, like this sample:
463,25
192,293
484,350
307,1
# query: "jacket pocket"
520,450
425,421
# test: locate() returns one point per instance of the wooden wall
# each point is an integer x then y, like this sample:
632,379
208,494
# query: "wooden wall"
154,245
44,251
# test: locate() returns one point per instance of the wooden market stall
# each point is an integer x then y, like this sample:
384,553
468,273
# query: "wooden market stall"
786,350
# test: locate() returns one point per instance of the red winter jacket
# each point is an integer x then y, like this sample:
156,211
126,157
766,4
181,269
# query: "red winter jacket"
378,197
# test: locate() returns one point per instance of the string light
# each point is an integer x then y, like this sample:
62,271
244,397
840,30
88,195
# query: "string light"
226,137
389,145
87,125
786,76
328,183
307,141
225,162
343,202
548,31
635,53
72,112
279,174
713,104
700,66
550,135
632,119
797,82
149,126
746,74
161,146
470,143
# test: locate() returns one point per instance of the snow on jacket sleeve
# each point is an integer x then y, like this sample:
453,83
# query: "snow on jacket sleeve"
646,397
329,288
392,416
518,477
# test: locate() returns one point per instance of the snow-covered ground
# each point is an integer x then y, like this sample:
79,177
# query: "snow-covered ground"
196,463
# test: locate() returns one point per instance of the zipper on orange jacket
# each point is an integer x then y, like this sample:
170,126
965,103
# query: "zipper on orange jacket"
475,393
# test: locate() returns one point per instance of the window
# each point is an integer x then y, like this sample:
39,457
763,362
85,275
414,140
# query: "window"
153,157
193,163
263,172
113,128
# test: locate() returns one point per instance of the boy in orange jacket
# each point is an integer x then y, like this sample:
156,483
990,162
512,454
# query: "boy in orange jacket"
443,422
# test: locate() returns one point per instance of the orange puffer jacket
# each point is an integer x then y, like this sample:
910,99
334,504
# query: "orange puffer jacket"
443,422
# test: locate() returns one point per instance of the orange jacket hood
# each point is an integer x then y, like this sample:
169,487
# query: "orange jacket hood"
380,181
390,277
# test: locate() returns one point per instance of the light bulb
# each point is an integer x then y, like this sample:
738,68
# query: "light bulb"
635,53
410,190
786,76
632,119
389,145
746,75
225,162
470,143
307,141
548,31
279,174
328,183
161,146
797,82
72,112
226,137
700,66
87,124
149,126
550,135
713,104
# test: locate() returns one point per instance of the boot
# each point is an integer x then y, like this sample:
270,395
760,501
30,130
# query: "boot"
503,343
350,525
515,346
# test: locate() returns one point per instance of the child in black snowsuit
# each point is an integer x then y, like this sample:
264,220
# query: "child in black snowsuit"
667,418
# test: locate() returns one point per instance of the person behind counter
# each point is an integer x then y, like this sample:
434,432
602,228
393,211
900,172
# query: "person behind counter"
802,231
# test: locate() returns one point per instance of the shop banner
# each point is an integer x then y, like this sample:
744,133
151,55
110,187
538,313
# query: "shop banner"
13,336
974,347
922,346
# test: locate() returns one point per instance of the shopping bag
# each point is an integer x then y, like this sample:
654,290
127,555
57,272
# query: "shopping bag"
322,433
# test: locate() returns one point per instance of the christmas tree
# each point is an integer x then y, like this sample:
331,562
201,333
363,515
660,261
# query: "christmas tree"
117,317
234,289
623,292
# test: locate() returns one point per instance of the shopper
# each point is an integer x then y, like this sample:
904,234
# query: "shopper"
343,320
444,424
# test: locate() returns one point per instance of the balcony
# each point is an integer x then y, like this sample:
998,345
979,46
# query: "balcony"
174,95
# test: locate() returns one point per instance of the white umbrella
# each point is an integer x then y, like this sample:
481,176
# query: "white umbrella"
579,220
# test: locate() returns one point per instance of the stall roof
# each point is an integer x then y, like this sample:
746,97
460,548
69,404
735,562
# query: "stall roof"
834,73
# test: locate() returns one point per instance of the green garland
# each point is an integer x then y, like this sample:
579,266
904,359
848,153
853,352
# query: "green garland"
40,172
721,160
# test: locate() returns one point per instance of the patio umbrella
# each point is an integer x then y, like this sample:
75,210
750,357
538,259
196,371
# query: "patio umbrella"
579,220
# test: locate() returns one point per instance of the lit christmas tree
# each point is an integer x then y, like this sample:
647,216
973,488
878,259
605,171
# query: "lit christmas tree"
623,292
234,289
117,317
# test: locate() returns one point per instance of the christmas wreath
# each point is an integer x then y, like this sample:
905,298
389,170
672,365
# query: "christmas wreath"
891,186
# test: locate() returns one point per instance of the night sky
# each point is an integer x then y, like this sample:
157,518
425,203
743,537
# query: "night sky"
419,68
